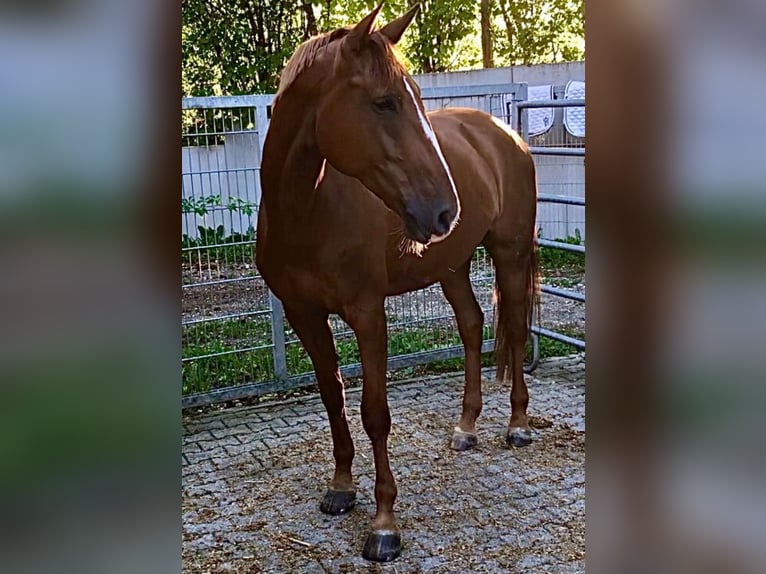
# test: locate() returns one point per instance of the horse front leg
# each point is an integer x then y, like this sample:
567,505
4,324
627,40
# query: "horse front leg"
313,329
369,324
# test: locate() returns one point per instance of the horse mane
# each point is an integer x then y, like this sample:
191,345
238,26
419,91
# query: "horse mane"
384,58
305,55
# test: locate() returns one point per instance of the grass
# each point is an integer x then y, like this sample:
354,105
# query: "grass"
559,263
257,365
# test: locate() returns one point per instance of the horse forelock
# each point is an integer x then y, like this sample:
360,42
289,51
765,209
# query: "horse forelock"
383,61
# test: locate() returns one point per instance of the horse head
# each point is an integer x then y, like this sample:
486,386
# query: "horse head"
371,124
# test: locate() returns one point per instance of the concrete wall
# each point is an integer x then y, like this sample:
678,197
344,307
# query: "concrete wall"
560,176
555,74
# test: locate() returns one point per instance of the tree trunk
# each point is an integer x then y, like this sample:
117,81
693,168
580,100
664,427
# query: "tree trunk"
311,22
486,33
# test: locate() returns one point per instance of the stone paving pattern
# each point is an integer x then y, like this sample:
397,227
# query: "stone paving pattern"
253,477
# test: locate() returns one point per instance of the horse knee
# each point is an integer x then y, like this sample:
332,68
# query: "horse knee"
471,327
376,422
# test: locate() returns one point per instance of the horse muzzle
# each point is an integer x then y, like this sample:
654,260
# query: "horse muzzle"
429,222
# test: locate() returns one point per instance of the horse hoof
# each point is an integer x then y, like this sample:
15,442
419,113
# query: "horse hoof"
462,440
336,502
382,546
518,436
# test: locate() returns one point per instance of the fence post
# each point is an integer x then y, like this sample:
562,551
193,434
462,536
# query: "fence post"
278,337
262,125
275,305
520,95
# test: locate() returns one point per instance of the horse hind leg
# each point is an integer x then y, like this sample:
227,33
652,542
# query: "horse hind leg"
516,278
313,330
470,322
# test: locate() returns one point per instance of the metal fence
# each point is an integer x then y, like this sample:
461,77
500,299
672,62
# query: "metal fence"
552,146
235,340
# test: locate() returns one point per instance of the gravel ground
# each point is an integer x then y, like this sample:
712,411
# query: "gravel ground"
253,477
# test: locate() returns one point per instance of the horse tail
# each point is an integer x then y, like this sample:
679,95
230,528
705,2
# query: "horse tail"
503,313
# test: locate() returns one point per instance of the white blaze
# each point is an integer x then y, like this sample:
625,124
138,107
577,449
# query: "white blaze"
431,136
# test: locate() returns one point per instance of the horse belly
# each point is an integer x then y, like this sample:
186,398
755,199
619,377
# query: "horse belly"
410,272
407,283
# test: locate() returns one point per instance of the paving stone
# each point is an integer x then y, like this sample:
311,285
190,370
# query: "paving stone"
252,478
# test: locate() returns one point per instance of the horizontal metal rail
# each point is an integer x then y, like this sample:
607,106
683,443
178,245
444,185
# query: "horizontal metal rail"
232,244
308,379
212,102
215,134
223,353
564,199
580,344
561,245
219,282
217,171
572,103
558,151
224,317
218,208
566,294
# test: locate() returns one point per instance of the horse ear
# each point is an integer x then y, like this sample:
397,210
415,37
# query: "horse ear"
395,29
359,33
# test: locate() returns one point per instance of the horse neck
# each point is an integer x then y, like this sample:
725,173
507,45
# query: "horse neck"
291,165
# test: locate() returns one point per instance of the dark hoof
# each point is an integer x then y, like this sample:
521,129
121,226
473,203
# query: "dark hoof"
337,502
518,437
382,546
462,440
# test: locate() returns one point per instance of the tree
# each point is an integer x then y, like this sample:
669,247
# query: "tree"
442,36
486,33
540,31
439,42
240,46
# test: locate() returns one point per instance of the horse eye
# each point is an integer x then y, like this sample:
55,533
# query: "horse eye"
386,104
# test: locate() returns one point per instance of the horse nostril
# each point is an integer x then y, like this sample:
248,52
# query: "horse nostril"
443,221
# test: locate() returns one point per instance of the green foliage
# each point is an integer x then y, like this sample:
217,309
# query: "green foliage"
239,47
214,236
444,37
201,205
560,263
538,31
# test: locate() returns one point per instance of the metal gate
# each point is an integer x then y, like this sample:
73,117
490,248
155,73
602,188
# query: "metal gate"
235,340
562,148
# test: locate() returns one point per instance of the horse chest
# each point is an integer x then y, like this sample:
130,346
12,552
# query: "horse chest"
303,281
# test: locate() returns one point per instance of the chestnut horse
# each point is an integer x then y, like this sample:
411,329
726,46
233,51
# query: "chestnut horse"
364,195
